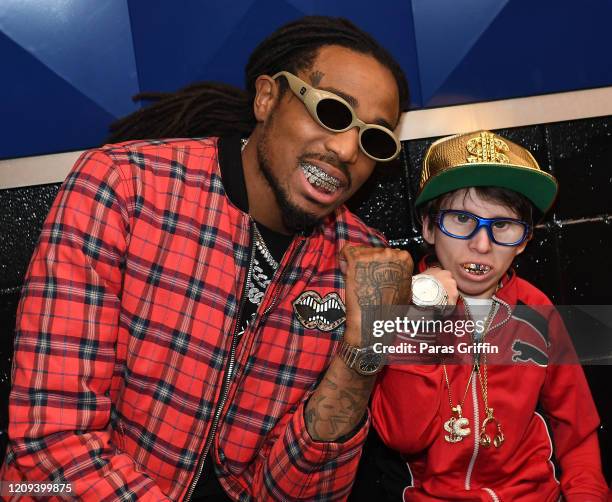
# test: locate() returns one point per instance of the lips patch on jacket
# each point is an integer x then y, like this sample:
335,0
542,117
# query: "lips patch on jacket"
325,313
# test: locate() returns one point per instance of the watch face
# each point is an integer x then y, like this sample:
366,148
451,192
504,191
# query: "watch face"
370,363
425,290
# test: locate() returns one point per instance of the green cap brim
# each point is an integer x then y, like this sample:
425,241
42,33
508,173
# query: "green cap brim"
539,187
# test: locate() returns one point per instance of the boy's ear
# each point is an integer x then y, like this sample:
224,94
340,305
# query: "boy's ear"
266,94
428,231
521,247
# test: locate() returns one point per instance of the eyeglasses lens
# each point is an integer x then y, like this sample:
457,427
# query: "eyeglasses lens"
508,231
459,224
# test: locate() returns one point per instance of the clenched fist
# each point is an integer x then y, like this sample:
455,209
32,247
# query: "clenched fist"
373,276
447,281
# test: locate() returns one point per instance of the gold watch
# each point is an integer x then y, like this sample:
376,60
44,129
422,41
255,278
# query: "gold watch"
364,360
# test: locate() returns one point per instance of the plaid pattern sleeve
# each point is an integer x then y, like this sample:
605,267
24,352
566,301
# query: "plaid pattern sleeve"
60,409
299,468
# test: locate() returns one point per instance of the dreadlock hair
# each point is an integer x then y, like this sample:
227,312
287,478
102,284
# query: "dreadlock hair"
216,109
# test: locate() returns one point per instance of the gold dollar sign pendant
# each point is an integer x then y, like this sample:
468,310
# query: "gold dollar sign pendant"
456,426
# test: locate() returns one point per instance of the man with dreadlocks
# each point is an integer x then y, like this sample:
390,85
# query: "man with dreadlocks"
183,332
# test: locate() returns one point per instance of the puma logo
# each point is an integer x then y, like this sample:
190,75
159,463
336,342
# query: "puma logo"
524,352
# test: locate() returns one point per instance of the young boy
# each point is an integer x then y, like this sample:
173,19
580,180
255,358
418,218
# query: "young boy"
475,432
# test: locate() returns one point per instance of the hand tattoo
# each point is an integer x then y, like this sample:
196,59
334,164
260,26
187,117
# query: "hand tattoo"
382,283
338,404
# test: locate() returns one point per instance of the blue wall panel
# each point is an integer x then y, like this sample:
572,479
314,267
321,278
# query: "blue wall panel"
212,41
445,31
526,48
86,42
72,72
40,112
73,65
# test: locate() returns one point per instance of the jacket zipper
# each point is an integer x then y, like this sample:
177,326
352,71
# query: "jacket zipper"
277,294
229,370
499,325
492,494
470,469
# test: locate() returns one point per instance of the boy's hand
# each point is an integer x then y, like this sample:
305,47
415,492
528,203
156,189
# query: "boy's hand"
447,281
374,276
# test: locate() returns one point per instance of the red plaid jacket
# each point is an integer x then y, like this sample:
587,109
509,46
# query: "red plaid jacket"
125,326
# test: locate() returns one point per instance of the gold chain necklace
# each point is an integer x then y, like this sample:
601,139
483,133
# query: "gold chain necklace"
485,439
457,425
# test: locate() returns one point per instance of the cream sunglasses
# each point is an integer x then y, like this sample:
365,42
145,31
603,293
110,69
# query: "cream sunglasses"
336,115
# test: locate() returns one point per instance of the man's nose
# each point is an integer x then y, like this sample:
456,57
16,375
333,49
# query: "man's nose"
481,241
344,144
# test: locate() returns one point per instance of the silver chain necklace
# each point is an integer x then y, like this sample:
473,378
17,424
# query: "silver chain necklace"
259,278
263,249
259,240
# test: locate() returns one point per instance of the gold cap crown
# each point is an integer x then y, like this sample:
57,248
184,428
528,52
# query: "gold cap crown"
483,158
482,147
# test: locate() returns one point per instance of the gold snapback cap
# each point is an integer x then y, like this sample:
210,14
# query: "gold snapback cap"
484,159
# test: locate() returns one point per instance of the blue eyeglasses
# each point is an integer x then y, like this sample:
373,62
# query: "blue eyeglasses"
465,225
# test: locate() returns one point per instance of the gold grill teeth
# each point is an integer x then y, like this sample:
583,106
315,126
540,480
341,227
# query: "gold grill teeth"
475,267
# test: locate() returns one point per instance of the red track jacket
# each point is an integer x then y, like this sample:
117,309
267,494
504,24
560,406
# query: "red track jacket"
410,405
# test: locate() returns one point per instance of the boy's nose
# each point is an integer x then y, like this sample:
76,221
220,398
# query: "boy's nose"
481,241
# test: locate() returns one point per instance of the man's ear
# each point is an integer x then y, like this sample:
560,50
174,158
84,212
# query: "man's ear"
266,94
429,233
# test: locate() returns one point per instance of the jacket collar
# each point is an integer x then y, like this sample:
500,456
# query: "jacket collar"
232,174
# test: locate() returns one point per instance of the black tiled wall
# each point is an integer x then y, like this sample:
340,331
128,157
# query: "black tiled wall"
568,258
22,214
